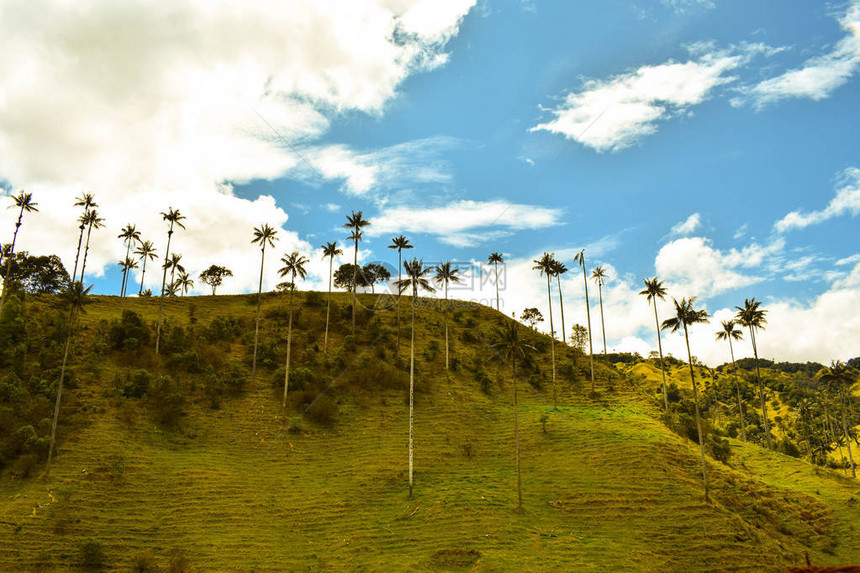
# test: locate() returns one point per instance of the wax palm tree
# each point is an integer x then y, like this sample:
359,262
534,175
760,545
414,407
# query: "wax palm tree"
87,201
654,291
146,250
558,269
75,295
127,265
509,346
172,289
599,275
173,218
729,332
330,250
263,235
840,376
751,316
400,242
93,221
130,235
686,316
294,265
355,222
185,282
494,259
545,265
416,277
580,259
444,275
24,202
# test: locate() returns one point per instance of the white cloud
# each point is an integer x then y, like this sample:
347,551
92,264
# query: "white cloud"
847,200
682,6
465,223
614,114
156,105
687,226
818,77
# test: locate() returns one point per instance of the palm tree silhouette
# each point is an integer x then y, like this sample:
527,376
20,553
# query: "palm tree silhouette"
87,201
184,282
263,235
444,275
599,275
173,217
685,316
729,332
127,265
545,265
24,202
174,266
294,265
355,223
129,235
416,277
653,291
146,250
92,221
559,269
580,258
842,377
330,250
509,345
751,316
400,242
494,259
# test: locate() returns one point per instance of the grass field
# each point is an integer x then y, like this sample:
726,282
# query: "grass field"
244,488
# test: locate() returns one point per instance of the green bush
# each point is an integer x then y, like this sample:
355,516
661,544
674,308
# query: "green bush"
168,400
91,553
224,328
129,332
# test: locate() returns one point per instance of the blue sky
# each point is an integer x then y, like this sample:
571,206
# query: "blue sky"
668,137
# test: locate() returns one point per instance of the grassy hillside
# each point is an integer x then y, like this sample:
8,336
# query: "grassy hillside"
242,487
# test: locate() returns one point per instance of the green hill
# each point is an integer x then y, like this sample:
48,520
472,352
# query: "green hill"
205,473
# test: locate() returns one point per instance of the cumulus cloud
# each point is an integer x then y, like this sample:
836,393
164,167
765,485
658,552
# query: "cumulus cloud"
609,115
687,226
846,201
156,105
818,77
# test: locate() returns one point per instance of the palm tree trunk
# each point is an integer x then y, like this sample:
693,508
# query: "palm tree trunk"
847,437
602,324
738,386
59,392
143,274
259,296
78,253
588,318
698,417
552,342
125,270
446,325
7,277
86,252
761,392
412,386
496,267
163,280
399,292
561,307
660,349
328,305
517,434
289,344
354,286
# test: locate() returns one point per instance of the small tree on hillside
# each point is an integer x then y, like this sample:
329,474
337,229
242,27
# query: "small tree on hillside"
214,276
579,337
531,316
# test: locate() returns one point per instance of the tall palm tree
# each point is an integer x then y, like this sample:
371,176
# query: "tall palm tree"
127,265
173,217
545,265
146,250
294,265
330,250
263,235
686,316
654,291
130,235
416,277
444,275
87,201
599,275
175,266
400,242
184,282
494,259
24,202
580,259
842,377
75,295
558,269
93,221
355,222
509,345
729,332
751,316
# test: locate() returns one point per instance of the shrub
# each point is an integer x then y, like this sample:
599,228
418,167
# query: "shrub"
178,562
322,411
168,400
91,553
129,332
718,448
144,563
136,384
483,379
314,299
224,328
